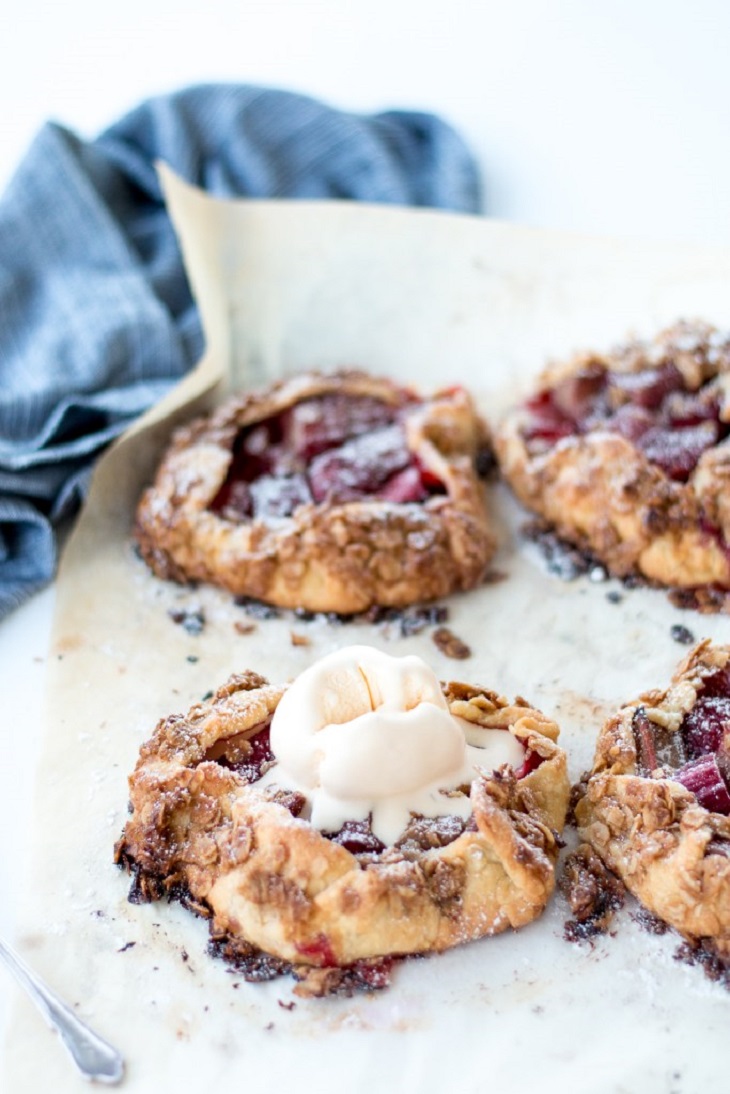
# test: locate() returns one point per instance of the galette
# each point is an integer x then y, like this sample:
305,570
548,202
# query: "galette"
656,805
366,811
329,493
626,455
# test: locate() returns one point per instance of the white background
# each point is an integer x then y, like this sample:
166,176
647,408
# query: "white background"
608,117
596,117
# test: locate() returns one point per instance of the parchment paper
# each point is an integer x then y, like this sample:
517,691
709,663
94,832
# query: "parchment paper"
423,297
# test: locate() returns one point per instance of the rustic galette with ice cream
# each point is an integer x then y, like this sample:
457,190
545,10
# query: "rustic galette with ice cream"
656,806
626,454
330,493
362,812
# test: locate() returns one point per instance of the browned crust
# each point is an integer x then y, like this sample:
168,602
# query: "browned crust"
344,558
598,490
649,829
276,882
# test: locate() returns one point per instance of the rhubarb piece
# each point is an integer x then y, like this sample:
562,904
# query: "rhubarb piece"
545,422
316,425
705,725
648,388
645,743
359,467
408,485
576,397
704,778
656,746
677,451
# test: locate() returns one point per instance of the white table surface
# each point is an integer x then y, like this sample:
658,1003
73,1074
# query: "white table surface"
609,119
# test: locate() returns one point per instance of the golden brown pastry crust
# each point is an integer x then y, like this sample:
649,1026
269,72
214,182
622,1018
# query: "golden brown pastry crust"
272,880
343,557
601,492
669,851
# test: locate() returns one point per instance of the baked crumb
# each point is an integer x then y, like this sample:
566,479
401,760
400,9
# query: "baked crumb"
450,644
192,620
594,894
244,628
715,966
682,634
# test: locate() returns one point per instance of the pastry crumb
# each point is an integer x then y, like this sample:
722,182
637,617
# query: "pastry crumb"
244,628
192,620
450,644
594,894
715,965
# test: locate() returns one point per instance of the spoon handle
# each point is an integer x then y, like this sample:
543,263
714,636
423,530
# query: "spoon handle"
94,1057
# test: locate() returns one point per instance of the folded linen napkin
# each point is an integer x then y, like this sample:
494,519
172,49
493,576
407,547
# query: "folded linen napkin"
96,317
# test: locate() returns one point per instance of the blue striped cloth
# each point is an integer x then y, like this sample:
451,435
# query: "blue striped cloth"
96,317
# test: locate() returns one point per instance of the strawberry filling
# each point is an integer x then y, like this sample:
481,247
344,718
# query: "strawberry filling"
328,449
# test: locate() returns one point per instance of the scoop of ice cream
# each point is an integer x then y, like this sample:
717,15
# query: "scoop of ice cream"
362,733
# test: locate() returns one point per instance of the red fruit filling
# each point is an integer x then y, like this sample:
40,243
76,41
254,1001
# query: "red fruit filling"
358,838
650,387
360,467
530,763
319,949
672,425
717,685
246,754
698,756
331,448
705,726
677,450
706,781
547,424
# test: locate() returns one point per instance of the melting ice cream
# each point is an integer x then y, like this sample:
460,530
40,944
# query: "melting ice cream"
361,733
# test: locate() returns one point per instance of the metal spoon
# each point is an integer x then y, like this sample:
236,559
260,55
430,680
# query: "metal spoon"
94,1057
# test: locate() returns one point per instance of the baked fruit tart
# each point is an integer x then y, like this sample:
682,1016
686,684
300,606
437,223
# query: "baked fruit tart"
324,492
626,455
364,812
656,806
